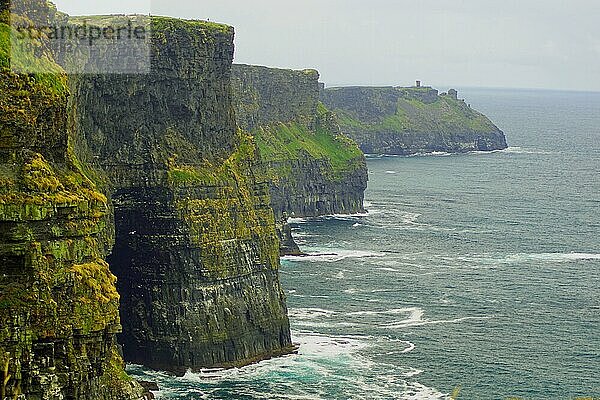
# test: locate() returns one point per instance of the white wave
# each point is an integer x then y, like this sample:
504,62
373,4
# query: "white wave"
335,256
551,257
400,261
339,275
409,347
337,217
414,312
356,225
393,218
414,318
309,313
346,217
391,172
324,324
521,150
297,220
385,269
327,346
309,296
410,218
493,261
413,372
313,346
374,211
329,362
299,234
425,154
372,155
355,290
417,391
383,290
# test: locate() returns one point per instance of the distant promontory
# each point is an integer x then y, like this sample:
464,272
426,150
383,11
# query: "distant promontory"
411,120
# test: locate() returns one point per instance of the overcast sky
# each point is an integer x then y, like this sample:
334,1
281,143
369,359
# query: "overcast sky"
553,44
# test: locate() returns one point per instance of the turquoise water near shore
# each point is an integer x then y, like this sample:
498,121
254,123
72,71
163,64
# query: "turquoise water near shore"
480,270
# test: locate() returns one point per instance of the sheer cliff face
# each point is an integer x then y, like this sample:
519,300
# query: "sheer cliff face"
58,301
312,167
196,252
404,121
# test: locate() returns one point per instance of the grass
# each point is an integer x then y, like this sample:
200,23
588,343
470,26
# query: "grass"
182,175
20,56
347,120
445,115
292,141
160,23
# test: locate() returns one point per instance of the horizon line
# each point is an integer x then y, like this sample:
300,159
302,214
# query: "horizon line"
435,86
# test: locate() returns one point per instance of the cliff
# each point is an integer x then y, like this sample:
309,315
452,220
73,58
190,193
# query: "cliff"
58,301
196,251
313,169
403,121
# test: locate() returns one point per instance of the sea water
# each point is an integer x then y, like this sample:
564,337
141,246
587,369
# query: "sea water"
479,271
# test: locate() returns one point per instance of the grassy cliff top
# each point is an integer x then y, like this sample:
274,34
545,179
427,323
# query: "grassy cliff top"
159,23
164,23
281,109
293,141
404,110
259,69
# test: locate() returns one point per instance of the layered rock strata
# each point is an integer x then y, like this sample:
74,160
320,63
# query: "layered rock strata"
59,307
313,168
404,121
196,251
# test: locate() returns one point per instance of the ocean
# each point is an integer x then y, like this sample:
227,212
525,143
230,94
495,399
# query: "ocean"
478,271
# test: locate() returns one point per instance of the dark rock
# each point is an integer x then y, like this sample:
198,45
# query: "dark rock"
58,302
153,386
313,169
287,244
196,250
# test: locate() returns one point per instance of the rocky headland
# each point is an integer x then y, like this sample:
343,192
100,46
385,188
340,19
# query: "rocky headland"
312,167
411,120
148,174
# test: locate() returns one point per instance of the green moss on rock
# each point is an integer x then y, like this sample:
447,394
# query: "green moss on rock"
232,213
58,301
293,141
194,231
312,167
